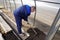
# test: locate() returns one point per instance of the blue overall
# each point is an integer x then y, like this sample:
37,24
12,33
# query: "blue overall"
21,13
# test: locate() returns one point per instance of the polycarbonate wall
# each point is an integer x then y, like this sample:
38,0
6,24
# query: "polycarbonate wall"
10,4
13,4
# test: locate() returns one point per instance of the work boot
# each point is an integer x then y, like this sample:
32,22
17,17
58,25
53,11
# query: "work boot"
24,35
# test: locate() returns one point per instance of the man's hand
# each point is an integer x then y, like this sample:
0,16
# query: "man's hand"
24,23
27,24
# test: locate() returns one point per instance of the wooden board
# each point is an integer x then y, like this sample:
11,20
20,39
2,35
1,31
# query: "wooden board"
4,26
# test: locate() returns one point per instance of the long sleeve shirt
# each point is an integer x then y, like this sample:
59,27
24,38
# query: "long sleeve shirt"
23,12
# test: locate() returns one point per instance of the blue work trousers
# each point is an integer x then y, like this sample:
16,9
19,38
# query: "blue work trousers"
18,22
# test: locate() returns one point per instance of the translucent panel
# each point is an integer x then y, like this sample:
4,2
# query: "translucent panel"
28,2
5,4
18,3
14,4
46,13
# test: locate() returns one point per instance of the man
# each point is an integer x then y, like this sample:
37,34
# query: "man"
22,13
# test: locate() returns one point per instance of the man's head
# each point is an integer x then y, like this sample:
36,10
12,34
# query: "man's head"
33,8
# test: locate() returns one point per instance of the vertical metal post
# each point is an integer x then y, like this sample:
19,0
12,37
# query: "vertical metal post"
3,4
10,5
34,19
22,2
53,29
35,14
14,3
6,4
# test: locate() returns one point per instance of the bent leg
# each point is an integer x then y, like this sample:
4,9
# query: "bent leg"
19,23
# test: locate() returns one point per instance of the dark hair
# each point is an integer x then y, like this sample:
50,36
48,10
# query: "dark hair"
34,7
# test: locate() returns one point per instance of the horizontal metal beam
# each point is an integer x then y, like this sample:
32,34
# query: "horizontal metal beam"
48,1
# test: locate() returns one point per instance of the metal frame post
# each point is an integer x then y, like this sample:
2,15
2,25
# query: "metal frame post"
22,2
3,4
6,4
10,5
14,3
35,14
